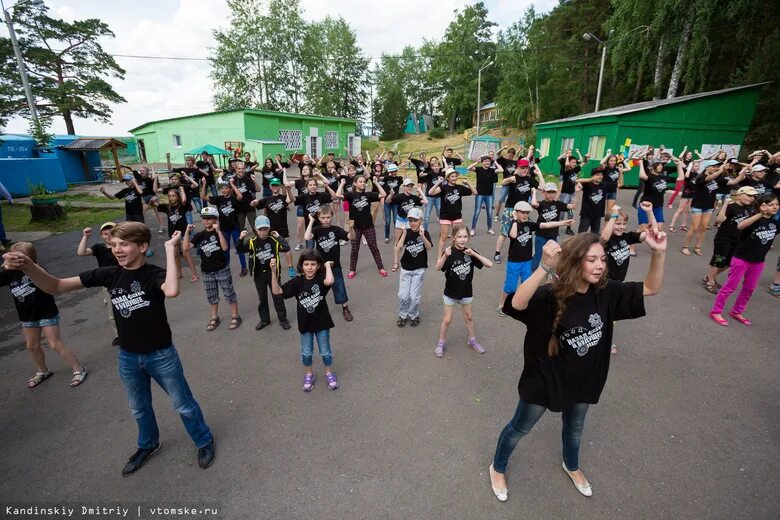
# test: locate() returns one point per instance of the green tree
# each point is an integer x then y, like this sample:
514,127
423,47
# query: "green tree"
66,65
391,110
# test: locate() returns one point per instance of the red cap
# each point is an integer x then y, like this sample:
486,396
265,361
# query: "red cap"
523,163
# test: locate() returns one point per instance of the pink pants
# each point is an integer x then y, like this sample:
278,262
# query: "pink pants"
678,186
739,269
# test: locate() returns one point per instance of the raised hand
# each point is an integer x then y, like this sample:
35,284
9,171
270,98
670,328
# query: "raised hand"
274,234
190,227
469,251
174,240
448,251
550,253
272,264
647,206
243,234
15,260
329,263
656,240
87,231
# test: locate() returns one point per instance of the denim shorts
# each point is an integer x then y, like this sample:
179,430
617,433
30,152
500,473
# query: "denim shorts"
658,213
503,194
452,301
566,198
300,211
149,198
612,195
699,210
45,322
720,197
401,223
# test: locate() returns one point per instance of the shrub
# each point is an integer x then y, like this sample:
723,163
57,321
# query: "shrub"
436,133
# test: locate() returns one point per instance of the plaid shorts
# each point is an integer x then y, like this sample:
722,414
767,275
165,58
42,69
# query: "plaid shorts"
506,221
212,282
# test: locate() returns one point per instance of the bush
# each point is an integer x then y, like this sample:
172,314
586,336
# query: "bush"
437,133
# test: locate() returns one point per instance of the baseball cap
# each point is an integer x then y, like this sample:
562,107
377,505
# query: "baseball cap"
415,213
550,186
127,177
209,212
222,183
408,182
747,190
392,167
706,164
523,163
107,225
733,160
274,182
758,168
523,206
449,170
262,222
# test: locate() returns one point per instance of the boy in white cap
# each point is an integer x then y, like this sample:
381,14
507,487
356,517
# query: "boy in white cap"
405,201
413,246
549,209
262,248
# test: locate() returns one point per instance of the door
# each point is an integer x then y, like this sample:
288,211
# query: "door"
312,147
141,151
353,144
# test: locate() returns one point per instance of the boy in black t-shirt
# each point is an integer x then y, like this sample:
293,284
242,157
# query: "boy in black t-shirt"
275,207
228,204
105,258
415,242
211,246
262,248
550,210
593,201
526,178
134,207
138,291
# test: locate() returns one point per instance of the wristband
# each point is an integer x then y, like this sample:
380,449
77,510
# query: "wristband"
614,215
550,271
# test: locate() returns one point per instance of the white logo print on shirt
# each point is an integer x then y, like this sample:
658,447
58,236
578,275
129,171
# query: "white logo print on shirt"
23,289
327,242
766,234
360,202
227,208
581,339
310,301
127,303
210,246
523,236
620,252
462,268
415,247
276,206
596,197
453,197
549,214
264,254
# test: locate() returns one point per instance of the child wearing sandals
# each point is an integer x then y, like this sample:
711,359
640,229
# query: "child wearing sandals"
415,242
309,290
212,246
104,255
38,314
457,263
756,235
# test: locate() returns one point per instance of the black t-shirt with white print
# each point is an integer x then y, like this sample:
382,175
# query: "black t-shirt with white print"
421,169
138,303
212,256
548,212
246,186
430,180
458,272
486,179
735,213
133,204
391,183
261,251
228,212
327,240
521,247
509,166
313,313
311,205
32,304
276,210
755,241
415,255
593,201
610,182
145,183
521,189
568,177
452,201
406,202
176,217
619,254
104,255
360,207
579,371
704,191
655,187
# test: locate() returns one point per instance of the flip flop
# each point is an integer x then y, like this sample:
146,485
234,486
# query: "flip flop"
235,322
740,318
394,268
698,252
719,320
686,251
194,278
351,275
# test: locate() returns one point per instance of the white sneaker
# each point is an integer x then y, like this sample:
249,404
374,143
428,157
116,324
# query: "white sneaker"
585,489
473,232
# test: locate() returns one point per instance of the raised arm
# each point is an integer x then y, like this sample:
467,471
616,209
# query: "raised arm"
329,278
45,282
171,286
655,273
107,194
526,290
436,188
473,166
309,233
82,249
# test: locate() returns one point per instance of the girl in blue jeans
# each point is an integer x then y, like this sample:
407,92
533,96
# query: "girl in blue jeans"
309,289
567,342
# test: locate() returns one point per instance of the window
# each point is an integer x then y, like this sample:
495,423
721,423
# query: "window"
331,139
292,139
567,143
176,141
596,145
544,149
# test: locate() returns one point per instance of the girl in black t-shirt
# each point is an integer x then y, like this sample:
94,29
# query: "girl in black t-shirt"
38,314
309,290
706,186
457,263
361,223
451,211
656,181
756,235
176,210
300,212
567,341
684,207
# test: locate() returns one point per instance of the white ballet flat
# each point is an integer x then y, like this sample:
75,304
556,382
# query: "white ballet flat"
501,494
585,489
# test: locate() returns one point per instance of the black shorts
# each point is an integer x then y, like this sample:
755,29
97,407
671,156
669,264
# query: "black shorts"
722,252
135,218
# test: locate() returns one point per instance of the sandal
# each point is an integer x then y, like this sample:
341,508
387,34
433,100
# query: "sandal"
194,278
235,322
740,318
672,230
394,268
213,323
333,382
439,350
683,228
351,275
78,377
719,320
686,251
697,250
383,273
308,382
39,378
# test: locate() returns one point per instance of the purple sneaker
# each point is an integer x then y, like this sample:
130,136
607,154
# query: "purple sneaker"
439,350
479,349
308,382
333,382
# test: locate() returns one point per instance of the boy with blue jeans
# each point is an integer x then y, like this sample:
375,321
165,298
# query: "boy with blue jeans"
548,209
138,291
487,172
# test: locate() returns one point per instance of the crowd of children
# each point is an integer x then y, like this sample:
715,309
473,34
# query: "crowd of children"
337,203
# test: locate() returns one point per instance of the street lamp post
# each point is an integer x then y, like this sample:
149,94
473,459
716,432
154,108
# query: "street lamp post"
587,37
20,60
479,89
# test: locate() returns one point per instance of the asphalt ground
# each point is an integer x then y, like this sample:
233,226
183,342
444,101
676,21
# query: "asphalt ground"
687,426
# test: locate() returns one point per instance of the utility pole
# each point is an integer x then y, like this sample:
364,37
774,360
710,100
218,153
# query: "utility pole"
20,62
479,89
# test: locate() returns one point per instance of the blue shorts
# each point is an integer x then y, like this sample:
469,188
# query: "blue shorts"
452,301
401,223
516,271
300,211
699,210
612,195
149,199
658,213
45,322
720,197
503,194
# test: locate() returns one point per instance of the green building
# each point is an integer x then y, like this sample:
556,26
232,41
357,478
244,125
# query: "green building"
258,131
707,122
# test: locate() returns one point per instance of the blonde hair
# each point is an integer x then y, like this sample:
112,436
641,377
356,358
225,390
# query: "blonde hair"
27,248
457,228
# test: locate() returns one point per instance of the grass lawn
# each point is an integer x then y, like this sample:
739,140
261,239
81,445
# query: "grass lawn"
83,197
17,218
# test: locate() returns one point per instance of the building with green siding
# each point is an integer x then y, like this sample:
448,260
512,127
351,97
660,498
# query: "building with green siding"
260,131
706,122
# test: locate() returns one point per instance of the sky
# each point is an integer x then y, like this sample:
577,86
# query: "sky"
158,89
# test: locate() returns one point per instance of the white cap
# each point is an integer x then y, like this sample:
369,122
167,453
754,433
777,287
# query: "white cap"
209,212
523,206
415,213
758,168
550,186
408,182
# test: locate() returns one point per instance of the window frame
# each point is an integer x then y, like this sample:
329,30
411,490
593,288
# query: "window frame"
177,141
544,146
600,148
291,132
564,141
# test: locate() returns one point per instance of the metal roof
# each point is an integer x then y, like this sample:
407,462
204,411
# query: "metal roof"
486,107
87,144
249,111
648,105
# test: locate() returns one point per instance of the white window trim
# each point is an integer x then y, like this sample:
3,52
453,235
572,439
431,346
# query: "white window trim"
544,146
175,140
291,132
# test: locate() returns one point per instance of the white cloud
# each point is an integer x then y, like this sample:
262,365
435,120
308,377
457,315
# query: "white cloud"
156,89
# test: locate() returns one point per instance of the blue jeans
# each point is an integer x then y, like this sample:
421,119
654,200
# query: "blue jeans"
391,211
487,200
213,189
539,243
164,366
339,288
525,417
323,343
188,217
233,235
198,203
433,202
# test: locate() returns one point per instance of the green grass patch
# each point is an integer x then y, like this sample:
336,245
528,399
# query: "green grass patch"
17,218
83,197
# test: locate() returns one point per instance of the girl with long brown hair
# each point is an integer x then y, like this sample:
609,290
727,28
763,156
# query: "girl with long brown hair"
567,341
